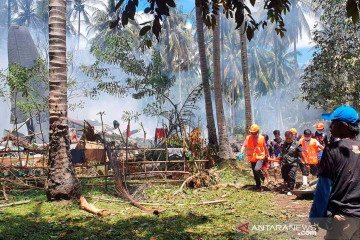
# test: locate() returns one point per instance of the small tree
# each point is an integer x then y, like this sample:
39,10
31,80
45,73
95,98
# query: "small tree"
332,77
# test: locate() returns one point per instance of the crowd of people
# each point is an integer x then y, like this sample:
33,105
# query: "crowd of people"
303,151
334,161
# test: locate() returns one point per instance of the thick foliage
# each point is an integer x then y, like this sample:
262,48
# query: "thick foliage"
236,9
332,78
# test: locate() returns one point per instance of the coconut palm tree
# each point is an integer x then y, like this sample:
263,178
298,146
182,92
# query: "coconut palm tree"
178,45
224,145
205,79
3,16
27,14
12,8
101,19
80,10
296,24
42,12
279,67
61,182
281,72
258,69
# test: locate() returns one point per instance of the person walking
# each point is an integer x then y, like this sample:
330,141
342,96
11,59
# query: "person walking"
321,136
336,205
290,152
266,163
311,148
276,144
295,133
256,152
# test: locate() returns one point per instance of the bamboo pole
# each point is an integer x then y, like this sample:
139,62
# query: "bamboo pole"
103,134
127,146
156,172
142,126
15,203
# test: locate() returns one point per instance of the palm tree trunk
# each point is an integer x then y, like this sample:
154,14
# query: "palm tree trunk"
277,85
62,182
9,14
225,151
295,57
244,65
79,31
205,79
167,42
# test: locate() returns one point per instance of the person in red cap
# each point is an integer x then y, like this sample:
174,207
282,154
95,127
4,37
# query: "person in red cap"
336,205
257,152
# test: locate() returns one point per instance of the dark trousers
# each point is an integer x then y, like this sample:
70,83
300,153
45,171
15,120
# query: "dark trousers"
313,169
288,173
258,174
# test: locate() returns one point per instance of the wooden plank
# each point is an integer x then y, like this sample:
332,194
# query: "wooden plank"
170,161
156,172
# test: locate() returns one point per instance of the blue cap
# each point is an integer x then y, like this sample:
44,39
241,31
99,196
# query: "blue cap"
343,113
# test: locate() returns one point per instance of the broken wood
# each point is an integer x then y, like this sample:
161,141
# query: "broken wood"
161,204
24,144
221,186
4,192
84,205
14,203
184,183
211,202
120,185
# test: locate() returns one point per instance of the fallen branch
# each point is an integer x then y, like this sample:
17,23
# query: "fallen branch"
184,183
4,192
235,185
161,204
14,203
121,187
91,208
24,144
211,202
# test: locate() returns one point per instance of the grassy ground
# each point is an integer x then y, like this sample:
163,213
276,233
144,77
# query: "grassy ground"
40,219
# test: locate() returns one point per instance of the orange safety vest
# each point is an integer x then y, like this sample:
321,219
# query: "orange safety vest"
312,153
253,152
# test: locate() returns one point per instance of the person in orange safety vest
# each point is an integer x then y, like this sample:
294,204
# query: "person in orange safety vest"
311,148
257,152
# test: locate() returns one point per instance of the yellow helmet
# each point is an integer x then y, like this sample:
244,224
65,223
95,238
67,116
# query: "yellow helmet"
254,128
293,130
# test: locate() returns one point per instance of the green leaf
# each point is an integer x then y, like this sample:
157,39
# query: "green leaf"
252,2
144,30
352,10
249,33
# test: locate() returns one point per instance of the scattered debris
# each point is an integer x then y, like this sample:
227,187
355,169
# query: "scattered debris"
14,203
236,185
91,208
161,204
205,178
121,187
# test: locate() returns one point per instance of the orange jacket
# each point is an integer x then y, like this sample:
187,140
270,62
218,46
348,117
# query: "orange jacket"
312,153
253,152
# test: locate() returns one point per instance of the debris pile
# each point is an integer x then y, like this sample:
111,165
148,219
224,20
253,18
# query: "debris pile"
204,178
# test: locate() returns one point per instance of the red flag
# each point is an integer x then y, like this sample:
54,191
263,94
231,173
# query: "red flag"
128,133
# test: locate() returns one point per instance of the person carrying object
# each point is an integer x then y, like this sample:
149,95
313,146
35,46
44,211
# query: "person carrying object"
290,152
311,148
276,144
